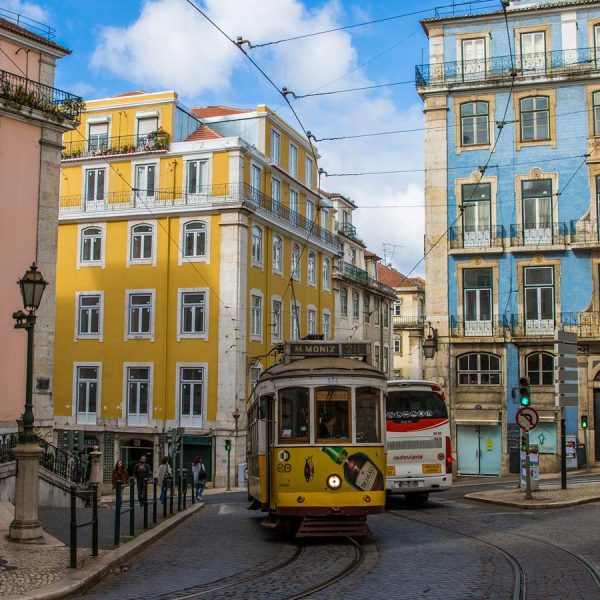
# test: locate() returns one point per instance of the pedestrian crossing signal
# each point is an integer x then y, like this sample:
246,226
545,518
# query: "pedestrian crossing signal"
524,392
584,422
228,445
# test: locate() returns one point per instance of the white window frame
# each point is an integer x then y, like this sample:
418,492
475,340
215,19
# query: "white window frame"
276,194
308,172
257,336
294,204
299,315
326,273
386,358
89,336
130,235
311,274
92,263
96,203
97,146
195,194
257,252
310,211
398,346
86,418
276,336
139,420
297,271
185,259
191,421
277,265
311,309
146,335
202,335
275,146
327,335
293,164
141,198
344,301
355,314
376,353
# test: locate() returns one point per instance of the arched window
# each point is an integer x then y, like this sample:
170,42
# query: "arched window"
474,123
295,262
257,245
194,245
141,241
277,252
91,244
479,368
540,368
326,273
535,118
312,268
344,301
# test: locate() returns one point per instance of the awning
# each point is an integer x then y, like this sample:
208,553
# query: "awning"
472,416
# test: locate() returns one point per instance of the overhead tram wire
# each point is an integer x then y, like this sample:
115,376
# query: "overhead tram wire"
365,23
356,89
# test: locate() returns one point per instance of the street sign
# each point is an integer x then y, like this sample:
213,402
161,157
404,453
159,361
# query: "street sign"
527,418
566,376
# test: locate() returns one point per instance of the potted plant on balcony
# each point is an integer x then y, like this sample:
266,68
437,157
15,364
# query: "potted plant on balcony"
157,140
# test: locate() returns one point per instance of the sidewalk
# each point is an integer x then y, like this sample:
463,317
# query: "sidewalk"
41,571
469,480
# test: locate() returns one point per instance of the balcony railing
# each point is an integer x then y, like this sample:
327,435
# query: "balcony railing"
538,235
202,196
123,144
22,92
360,276
477,238
586,324
408,321
585,232
348,230
492,327
540,326
498,68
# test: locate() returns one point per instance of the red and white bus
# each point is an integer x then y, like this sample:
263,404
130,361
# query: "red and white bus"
419,448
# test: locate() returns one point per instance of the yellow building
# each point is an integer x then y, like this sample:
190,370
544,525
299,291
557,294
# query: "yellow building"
186,238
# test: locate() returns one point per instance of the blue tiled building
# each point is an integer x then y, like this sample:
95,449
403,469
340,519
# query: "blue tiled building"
512,159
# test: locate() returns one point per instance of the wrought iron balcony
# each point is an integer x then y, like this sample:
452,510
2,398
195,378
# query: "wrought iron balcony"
408,321
535,235
541,326
585,233
348,230
207,195
499,68
476,238
585,324
492,327
360,276
124,144
21,92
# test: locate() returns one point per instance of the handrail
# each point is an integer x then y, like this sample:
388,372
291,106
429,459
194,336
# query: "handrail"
65,463
122,144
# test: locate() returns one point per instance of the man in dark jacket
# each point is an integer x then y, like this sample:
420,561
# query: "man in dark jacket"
141,472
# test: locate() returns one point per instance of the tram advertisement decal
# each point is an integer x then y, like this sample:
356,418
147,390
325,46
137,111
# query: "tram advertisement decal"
309,468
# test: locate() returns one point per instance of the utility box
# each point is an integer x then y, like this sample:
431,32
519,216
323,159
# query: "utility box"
571,452
534,469
581,455
513,460
242,474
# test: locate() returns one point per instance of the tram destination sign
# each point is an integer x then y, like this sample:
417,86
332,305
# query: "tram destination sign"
311,348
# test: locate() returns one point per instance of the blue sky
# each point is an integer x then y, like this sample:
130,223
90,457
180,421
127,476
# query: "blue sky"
163,44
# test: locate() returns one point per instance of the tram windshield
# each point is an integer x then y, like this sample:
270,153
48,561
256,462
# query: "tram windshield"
333,413
293,415
367,415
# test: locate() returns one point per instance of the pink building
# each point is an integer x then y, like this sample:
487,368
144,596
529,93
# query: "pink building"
33,117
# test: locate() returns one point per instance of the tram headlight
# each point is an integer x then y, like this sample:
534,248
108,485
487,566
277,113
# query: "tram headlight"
334,482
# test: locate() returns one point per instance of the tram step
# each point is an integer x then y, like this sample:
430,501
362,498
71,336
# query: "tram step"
270,522
312,527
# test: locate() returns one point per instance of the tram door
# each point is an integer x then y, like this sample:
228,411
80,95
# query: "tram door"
597,425
267,413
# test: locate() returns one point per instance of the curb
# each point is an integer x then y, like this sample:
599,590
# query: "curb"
82,579
541,505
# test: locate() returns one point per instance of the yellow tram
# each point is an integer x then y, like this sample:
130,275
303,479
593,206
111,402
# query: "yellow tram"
316,439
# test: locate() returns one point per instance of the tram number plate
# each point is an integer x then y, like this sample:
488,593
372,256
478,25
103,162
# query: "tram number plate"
432,468
408,484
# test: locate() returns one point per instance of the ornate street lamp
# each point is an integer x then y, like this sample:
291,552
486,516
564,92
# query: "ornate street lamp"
32,286
431,343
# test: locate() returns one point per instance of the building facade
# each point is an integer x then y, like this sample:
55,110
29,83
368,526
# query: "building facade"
33,117
408,322
192,243
362,302
512,117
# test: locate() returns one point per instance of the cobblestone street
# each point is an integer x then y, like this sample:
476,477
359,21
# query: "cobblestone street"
452,549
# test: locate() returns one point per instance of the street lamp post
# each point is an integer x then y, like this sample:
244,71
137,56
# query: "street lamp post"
26,526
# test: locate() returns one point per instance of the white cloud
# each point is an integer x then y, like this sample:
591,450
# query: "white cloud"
198,60
27,9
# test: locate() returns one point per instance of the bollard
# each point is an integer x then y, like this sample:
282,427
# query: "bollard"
154,501
131,507
184,490
94,519
118,503
145,503
179,492
73,532
171,498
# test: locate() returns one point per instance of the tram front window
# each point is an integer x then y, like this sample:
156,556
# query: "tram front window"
367,415
293,415
333,414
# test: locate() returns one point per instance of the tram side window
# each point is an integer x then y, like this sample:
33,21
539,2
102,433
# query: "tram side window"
293,415
367,415
333,413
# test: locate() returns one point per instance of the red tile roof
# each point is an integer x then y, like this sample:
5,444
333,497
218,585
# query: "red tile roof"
205,112
393,278
204,132
4,24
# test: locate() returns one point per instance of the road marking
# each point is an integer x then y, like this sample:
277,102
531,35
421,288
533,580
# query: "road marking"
227,509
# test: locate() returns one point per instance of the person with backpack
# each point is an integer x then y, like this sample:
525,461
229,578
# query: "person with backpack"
165,478
142,472
199,474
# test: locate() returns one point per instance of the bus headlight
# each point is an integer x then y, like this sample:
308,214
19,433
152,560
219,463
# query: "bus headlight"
334,482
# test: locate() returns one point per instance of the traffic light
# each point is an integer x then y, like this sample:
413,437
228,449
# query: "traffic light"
524,392
584,422
228,445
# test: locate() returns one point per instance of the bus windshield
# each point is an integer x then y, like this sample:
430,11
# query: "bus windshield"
408,406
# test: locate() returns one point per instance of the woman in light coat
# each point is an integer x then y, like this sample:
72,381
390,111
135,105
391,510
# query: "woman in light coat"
165,478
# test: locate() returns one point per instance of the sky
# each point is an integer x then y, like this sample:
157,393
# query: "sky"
123,45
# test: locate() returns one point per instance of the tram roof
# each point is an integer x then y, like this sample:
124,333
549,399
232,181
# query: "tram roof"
323,366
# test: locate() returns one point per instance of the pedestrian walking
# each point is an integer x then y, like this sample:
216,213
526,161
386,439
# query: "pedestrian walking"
142,472
119,474
199,474
165,478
